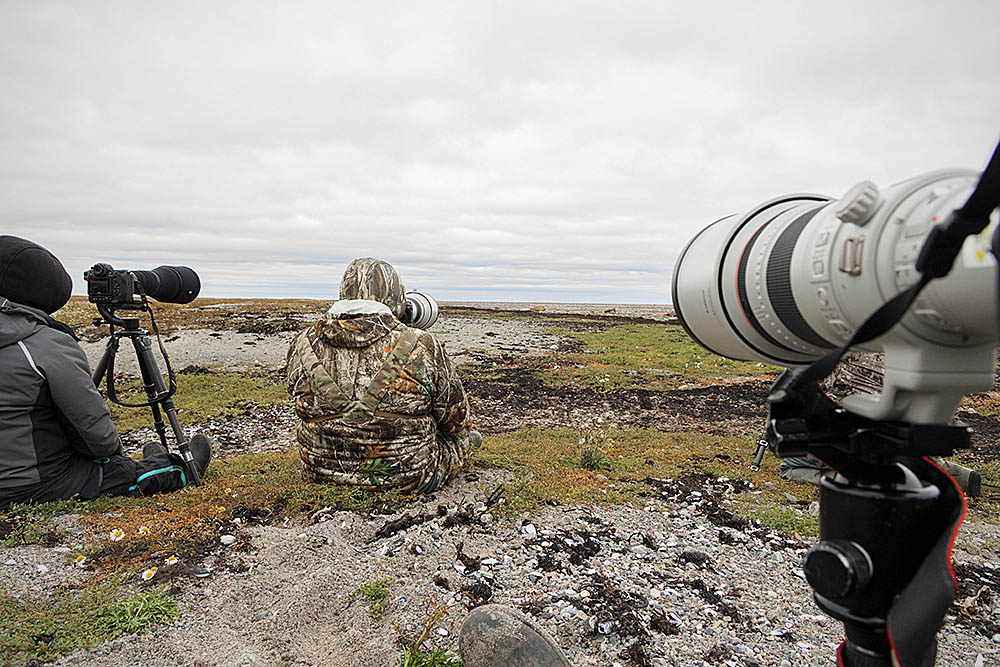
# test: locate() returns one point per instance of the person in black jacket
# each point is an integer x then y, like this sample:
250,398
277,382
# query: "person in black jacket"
57,440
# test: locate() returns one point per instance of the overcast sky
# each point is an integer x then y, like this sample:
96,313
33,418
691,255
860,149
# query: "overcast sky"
528,151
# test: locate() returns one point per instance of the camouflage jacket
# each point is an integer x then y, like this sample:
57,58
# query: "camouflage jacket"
379,404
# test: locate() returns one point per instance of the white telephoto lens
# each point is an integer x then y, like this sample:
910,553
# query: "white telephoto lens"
795,277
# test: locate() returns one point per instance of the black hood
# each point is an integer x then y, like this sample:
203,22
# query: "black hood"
31,275
18,321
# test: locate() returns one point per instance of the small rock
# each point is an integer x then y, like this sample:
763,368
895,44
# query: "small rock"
227,539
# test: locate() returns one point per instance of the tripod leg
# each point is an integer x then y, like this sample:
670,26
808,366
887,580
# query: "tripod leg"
155,388
102,366
158,424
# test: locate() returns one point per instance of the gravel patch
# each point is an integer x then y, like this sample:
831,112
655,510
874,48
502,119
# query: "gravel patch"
666,584
249,351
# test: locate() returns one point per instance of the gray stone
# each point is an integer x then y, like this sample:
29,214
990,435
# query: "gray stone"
497,636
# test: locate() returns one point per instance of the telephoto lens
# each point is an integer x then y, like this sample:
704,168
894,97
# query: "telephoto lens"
795,277
421,310
170,284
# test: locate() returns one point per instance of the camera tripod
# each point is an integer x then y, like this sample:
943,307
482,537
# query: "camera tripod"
887,521
158,396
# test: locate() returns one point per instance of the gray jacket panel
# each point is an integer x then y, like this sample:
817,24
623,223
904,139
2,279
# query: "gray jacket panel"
53,421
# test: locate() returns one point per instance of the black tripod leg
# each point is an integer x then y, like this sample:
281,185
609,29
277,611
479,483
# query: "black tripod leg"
158,424
102,366
155,387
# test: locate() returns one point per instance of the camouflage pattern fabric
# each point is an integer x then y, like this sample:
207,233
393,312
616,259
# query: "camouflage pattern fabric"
374,280
379,404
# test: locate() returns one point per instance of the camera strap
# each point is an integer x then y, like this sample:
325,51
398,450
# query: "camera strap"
171,376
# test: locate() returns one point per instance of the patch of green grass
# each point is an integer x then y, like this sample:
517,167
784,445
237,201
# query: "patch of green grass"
440,658
377,471
201,396
990,472
44,628
591,457
645,356
545,464
788,520
376,592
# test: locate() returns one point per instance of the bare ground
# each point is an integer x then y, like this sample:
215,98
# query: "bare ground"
677,586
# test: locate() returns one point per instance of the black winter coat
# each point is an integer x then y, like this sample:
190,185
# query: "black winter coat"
53,421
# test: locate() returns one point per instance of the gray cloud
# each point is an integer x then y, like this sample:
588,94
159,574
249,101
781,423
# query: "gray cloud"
514,150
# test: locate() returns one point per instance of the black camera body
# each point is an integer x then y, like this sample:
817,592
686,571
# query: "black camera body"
106,285
117,288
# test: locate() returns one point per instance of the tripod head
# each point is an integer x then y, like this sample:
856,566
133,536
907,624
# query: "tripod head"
109,317
888,517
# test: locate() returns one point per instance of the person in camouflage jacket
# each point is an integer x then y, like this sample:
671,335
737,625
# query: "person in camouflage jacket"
379,403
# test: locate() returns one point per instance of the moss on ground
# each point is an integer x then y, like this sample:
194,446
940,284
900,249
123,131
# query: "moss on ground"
645,356
546,463
203,395
204,313
44,628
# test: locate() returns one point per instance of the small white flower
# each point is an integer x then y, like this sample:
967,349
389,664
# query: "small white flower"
116,535
80,560
148,574
143,530
171,561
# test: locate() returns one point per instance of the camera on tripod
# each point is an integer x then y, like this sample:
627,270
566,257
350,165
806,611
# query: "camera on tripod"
117,288
910,271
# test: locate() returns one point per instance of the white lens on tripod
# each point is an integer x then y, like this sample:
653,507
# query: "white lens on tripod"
796,276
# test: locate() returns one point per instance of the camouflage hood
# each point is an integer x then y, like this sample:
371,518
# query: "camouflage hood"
357,331
374,280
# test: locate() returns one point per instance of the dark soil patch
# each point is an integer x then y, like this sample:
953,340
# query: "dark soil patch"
477,594
978,588
511,397
985,441
600,321
390,528
710,596
705,493
561,548
613,610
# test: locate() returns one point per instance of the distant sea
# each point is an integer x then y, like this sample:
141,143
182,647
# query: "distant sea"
651,310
